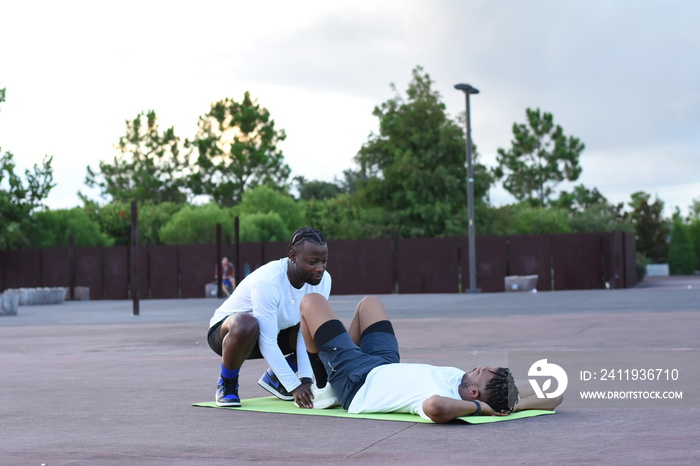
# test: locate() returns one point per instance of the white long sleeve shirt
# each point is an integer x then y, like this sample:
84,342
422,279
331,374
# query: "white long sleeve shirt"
271,298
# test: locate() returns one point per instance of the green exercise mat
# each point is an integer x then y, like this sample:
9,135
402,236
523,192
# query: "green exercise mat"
271,404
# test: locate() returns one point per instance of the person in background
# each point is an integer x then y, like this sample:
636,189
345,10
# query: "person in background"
228,280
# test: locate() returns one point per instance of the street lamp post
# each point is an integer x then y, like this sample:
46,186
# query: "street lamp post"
470,191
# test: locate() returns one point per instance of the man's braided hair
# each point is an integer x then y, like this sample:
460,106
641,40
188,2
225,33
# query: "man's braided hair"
501,394
307,234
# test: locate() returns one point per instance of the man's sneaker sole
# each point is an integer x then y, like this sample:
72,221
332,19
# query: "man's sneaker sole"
274,391
229,404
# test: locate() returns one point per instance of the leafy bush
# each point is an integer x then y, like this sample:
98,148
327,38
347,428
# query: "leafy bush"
263,227
681,254
599,217
197,225
52,228
524,219
114,220
152,217
342,218
641,263
264,200
694,230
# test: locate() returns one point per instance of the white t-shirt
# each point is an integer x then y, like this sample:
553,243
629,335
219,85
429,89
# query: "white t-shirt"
403,387
271,298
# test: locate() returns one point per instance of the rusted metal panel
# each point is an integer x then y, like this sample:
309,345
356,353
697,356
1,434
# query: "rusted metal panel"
55,267
360,266
163,272
491,265
116,270
630,248
23,268
577,261
275,250
251,258
196,269
88,270
613,259
531,255
428,265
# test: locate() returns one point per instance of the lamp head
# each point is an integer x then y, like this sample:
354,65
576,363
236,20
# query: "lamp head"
467,88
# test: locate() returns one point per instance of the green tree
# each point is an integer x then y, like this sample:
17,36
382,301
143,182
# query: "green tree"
114,219
151,165
694,229
590,211
264,200
197,225
237,149
316,189
681,254
540,157
52,228
650,227
415,166
344,217
19,198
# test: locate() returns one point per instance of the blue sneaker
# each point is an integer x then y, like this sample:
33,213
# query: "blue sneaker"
227,393
272,384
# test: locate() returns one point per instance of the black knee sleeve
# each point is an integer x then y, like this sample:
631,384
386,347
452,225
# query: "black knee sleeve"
327,331
381,326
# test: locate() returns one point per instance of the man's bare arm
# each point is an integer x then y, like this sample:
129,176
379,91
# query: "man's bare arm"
443,409
528,400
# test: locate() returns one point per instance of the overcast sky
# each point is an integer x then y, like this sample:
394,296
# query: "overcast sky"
623,76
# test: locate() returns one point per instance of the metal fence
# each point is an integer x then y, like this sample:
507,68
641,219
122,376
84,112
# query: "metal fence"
382,266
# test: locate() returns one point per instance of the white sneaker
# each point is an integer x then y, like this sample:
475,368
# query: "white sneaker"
323,398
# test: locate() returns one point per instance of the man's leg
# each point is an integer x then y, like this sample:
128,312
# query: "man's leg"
239,334
368,311
315,311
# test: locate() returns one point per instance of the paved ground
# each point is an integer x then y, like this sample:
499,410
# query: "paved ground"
89,383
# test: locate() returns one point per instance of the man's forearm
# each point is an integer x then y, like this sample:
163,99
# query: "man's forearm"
532,402
442,409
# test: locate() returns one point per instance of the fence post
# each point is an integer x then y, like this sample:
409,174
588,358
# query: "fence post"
71,266
134,258
395,259
237,236
219,273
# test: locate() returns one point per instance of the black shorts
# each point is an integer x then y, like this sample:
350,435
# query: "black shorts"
283,338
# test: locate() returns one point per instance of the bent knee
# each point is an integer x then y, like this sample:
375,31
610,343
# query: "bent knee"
310,301
370,303
243,324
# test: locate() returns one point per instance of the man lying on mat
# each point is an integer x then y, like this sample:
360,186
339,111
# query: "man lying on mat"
359,369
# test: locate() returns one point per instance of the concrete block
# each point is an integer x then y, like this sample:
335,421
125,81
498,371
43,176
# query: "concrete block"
36,296
9,302
210,290
657,270
80,293
521,283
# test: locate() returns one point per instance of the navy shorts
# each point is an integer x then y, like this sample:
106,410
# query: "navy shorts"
347,364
